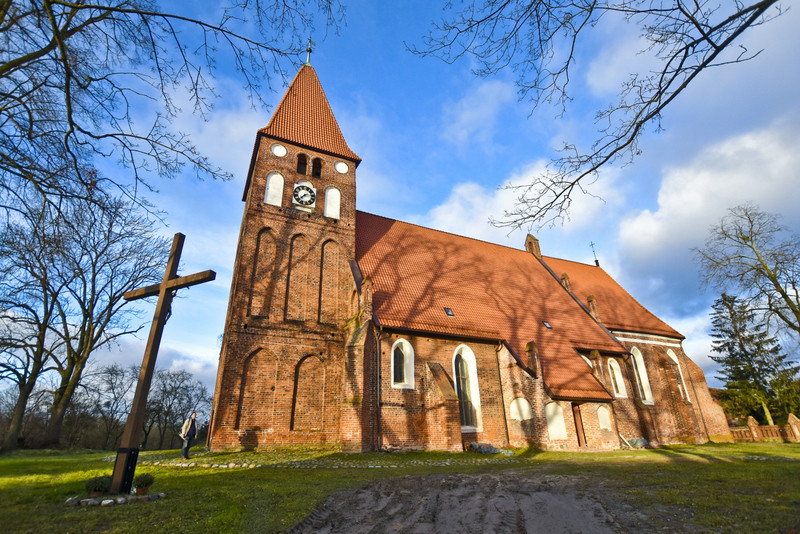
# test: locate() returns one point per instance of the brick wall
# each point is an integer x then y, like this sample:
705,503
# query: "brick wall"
421,417
283,364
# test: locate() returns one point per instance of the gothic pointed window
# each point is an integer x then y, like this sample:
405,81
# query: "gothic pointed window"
466,382
316,167
302,163
402,365
333,200
684,392
273,195
641,376
616,378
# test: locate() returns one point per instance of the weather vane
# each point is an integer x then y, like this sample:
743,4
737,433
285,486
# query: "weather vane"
596,261
309,50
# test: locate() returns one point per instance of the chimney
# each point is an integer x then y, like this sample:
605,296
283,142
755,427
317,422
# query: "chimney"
565,282
532,246
593,308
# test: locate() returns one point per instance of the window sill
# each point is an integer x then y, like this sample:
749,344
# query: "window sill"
403,386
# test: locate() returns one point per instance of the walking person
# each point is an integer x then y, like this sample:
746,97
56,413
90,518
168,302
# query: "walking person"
188,432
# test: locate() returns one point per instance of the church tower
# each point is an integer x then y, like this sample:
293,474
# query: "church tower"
280,378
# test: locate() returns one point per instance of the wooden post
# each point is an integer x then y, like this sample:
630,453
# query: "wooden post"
127,454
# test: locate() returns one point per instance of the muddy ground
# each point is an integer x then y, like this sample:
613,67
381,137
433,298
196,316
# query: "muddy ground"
482,503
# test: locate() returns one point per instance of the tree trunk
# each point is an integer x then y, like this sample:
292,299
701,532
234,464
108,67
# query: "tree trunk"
767,414
15,426
61,400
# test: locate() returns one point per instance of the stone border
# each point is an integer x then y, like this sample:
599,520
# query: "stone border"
130,499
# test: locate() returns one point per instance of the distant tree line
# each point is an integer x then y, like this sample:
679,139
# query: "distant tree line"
96,415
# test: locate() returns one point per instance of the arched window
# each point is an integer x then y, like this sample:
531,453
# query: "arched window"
316,167
641,376
616,378
682,387
332,203
521,409
555,421
302,163
466,379
402,365
603,418
588,361
273,195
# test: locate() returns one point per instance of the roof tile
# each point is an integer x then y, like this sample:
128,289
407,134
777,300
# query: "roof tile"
495,292
304,117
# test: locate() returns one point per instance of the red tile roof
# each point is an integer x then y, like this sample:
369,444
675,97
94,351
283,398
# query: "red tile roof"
495,292
617,309
304,117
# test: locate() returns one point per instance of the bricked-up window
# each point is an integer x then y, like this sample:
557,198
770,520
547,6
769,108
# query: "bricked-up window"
302,164
402,365
273,195
316,168
642,381
333,200
603,418
466,381
520,409
682,385
616,378
555,421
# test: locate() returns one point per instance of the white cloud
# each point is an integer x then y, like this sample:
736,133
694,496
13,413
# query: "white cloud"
617,59
759,167
468,208
473,118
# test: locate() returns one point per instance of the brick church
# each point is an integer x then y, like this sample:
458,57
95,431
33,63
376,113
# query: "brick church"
367,333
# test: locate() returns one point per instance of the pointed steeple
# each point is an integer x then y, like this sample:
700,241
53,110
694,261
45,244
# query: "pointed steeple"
304,118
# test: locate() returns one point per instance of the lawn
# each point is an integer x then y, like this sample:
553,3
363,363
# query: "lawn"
714,487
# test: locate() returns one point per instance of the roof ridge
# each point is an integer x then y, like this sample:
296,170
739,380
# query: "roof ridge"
444,232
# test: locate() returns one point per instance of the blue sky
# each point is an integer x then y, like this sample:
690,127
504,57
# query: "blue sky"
437,143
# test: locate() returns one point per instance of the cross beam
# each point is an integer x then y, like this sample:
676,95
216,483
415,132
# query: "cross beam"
128,452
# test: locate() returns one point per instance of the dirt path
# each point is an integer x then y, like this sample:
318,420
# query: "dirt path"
454,503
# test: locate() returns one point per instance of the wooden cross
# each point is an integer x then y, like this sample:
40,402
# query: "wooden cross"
128,452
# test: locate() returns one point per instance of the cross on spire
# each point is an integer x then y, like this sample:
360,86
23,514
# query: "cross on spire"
596,261
309,50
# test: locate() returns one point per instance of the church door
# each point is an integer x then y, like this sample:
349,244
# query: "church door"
465,405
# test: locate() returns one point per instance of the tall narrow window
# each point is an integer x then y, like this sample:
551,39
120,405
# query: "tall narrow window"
302,163
399,366
273,195
641,376
402,365
682,386
332,203
616,378
467,390
463,390
316,167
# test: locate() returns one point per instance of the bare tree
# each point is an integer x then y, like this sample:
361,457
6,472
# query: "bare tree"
110,390
108,253
750,252
175,395
29,291
73,73
538,40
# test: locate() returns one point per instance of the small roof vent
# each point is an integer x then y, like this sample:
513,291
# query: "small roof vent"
449,312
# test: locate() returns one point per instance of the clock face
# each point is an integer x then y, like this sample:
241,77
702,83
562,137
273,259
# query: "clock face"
304,195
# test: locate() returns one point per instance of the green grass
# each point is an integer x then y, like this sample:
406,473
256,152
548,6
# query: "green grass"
718,488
